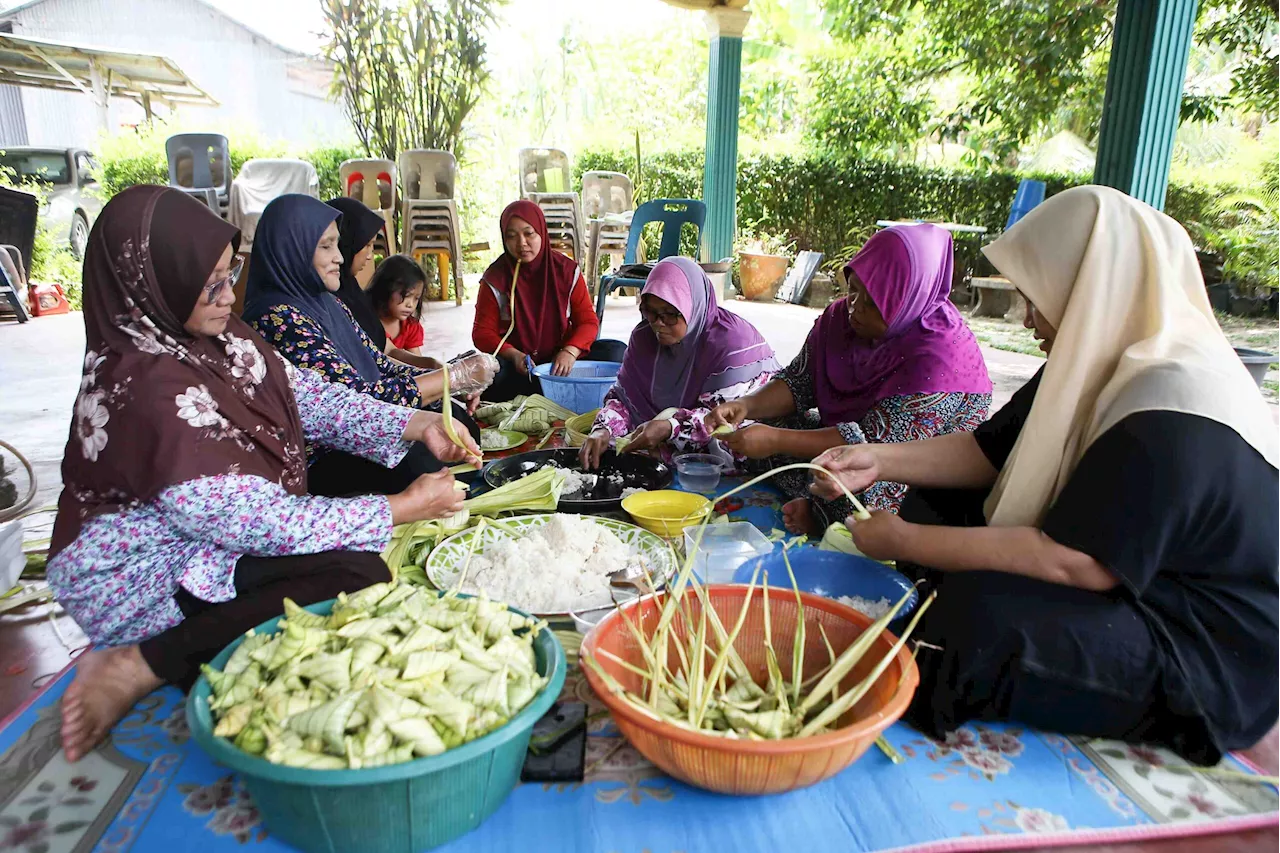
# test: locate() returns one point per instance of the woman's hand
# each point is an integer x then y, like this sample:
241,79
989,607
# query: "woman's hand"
593,448
518,360
429,496
428,428
472,374
854,465
880,537
726,414
650,435
473,403
754,442
563,364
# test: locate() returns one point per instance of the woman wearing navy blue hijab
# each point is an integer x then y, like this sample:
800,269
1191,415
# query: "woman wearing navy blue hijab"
294,272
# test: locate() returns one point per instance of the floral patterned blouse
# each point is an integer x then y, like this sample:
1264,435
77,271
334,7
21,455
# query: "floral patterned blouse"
118,578
302,341
903,417
688,432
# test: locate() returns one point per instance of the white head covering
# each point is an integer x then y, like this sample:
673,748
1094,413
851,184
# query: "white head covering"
1121,283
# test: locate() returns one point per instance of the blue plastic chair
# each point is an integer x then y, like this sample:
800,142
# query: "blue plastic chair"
673,213
1029,194
202,149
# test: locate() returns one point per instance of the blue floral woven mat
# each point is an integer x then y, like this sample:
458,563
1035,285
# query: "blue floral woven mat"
150,788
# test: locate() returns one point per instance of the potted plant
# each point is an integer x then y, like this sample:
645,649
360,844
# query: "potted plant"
763,258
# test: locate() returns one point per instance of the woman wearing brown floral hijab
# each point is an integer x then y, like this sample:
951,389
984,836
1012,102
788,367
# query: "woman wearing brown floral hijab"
184,517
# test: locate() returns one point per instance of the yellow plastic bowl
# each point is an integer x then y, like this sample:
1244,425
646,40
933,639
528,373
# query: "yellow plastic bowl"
666,512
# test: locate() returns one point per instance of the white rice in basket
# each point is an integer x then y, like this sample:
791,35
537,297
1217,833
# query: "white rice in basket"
562,565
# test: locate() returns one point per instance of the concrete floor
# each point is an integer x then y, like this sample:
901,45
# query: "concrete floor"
41,363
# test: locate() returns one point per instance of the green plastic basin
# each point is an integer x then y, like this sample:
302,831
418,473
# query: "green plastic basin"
404,808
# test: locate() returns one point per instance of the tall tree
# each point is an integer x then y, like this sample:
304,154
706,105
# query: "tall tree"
408,73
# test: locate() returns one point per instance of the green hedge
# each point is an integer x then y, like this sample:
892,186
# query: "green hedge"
140,159
830,203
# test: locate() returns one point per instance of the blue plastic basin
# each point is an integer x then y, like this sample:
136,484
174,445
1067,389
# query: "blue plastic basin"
583,389
833,574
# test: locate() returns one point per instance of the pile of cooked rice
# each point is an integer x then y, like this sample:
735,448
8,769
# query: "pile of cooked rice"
562,565
874,609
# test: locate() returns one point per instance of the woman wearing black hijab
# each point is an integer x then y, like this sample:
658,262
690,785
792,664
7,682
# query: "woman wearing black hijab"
356,232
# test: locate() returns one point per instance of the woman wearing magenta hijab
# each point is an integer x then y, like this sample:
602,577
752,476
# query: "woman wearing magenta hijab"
892,361
686,357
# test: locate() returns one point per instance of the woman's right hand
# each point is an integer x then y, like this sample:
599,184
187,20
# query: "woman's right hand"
593,448
726,414
517,360
429,496
472,374
854,465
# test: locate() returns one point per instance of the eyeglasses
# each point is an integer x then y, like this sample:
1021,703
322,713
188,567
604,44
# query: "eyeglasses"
852,304
665,318
214,290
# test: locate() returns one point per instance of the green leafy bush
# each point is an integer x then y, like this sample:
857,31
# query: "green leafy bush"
830,202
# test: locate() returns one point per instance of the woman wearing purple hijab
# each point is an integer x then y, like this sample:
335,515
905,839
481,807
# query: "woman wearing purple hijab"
892,361
686,357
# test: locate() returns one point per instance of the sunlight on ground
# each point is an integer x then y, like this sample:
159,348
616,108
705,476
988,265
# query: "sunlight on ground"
1261,333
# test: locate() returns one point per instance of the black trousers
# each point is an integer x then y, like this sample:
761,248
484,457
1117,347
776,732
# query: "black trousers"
1052,657
262,584
339,475
511,383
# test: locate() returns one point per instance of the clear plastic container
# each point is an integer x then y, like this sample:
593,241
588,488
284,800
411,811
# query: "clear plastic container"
724,548
699,472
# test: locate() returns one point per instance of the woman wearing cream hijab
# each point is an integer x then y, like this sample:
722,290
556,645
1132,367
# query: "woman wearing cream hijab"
1105,547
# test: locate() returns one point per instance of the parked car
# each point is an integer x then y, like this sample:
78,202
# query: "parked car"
69,175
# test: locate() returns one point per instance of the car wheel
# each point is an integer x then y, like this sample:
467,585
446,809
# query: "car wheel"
79,235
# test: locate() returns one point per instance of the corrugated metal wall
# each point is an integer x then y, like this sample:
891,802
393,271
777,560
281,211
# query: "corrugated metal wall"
246,74
13,119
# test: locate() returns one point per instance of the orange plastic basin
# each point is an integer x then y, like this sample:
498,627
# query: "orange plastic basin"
732,766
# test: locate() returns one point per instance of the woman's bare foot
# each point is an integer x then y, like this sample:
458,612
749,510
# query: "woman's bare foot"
108,683
797,517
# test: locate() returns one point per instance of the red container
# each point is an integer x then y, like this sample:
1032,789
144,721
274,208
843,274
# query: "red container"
46,299
732,766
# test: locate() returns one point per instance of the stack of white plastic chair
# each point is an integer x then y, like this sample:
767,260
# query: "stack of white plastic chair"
373,183
429,218
544,180
259,182
607,203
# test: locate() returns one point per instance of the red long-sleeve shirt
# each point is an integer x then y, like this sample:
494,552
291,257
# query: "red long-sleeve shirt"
492,321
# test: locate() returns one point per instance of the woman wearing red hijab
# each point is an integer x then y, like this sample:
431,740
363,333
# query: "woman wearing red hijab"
554,320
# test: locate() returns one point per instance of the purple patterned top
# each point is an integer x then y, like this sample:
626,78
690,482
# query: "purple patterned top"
688,432
119,576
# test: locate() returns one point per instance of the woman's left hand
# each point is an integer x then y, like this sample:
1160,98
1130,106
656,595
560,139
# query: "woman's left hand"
754,442
880,537
473,403
650,435
428,428
563,363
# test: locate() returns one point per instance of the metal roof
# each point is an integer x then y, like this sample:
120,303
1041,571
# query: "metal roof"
142,77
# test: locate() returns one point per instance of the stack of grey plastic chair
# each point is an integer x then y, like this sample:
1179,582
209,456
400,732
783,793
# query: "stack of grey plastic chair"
429,216
607,203
200,165
544,179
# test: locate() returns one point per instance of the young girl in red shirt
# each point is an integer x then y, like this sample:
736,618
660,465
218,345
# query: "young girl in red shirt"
396,290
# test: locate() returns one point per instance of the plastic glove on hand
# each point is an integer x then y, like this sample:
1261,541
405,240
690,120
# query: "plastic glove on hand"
472,374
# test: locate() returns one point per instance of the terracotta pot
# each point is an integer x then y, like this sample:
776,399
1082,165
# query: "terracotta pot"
761,275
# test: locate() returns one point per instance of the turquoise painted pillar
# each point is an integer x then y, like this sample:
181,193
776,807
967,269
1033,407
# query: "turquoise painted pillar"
720,172
1144,93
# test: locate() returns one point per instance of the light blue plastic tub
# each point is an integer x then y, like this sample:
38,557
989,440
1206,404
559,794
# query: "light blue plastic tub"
583,389
404,808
